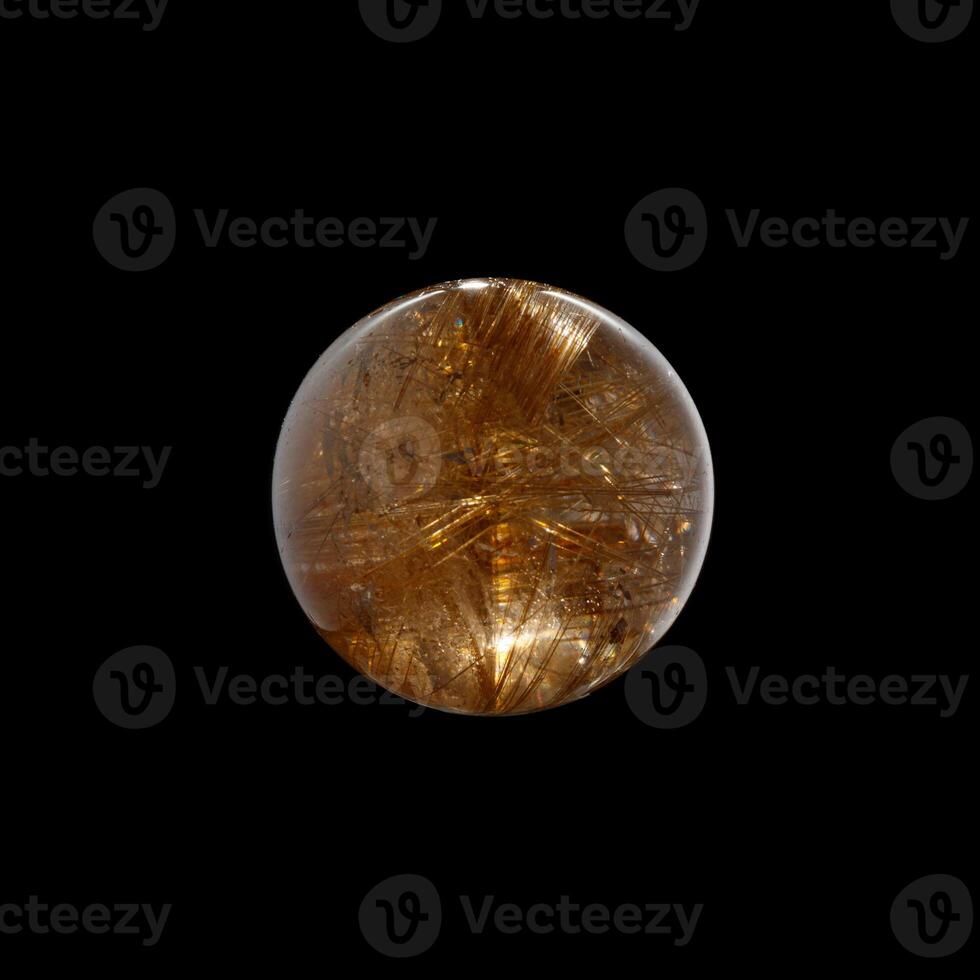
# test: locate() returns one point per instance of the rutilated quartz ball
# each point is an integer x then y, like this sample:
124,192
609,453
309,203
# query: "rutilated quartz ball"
492,496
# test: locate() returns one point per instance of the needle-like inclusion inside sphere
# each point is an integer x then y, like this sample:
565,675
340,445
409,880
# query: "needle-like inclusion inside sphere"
492,496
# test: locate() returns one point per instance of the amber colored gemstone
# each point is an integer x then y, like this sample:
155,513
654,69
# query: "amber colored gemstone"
492,496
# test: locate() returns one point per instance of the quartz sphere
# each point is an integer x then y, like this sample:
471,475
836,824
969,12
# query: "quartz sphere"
492,496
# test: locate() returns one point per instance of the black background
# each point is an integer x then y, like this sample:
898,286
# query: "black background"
530,141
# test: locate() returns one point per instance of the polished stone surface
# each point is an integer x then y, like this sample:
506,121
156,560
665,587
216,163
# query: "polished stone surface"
492,496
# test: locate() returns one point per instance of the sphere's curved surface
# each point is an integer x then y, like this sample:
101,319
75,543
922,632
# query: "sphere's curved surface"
492,496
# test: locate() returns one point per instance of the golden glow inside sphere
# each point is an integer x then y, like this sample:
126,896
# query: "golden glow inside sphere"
492,496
